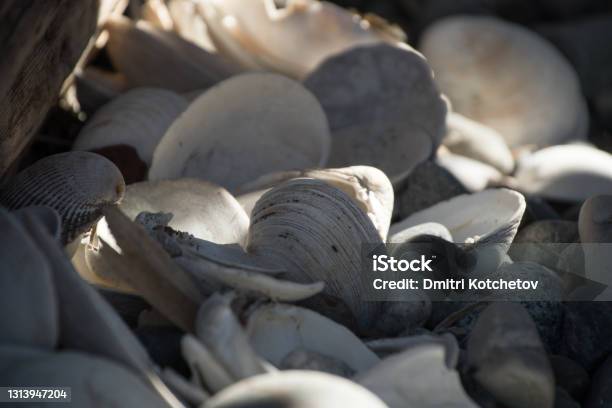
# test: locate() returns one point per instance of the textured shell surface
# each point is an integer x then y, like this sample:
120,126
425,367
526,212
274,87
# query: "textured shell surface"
76,184
276,330
473,174
379,96
142,53
315,231
243,128
137,118
510,79
571,172
417,377
292,39
492,215
296,389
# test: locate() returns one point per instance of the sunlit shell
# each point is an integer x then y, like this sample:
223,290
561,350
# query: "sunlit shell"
245,127
510,79
473,174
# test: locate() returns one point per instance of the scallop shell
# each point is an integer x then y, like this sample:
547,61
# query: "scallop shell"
76,184
296,389
245,127
138,118
567,172
292,39
368,186
316,232
277,330
476,141
473,174
152,57
510,80
379,96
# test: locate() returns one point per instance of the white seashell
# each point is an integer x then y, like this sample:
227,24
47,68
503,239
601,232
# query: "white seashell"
427,228
474,140
296,389
292,39
277,330
380,96
474,175
245,127
368,186
315,232
206,370
417,377
188,21
78,185
138,118
148,56
510,79
571,172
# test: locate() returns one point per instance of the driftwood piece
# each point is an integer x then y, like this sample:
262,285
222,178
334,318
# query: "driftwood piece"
40,44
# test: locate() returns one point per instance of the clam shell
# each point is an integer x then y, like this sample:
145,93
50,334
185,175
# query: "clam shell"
567,172
148,56
315,231
292,39
368,186
474,140
379,96
510,80
243,128
78,185
138,118
473,174
277,330
296,389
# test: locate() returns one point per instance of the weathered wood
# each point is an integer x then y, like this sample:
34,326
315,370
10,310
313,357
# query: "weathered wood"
40,44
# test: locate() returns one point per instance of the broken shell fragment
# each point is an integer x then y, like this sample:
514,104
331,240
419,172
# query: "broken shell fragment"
277,330
142,53
264,122
508,80
138,118
292,39
296,389
78,185
380,96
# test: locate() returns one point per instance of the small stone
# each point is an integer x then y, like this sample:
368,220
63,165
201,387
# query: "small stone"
508,360
570,376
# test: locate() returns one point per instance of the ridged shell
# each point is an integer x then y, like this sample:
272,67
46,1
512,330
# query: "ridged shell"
510,79
137,118
566,172
292,39
295,389
368,186
243,128
376,97
276,330
152,57
316,232
78,185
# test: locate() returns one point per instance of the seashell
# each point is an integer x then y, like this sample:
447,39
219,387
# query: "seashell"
409,111
508,80
417,377
427,228
468,138
138,118
292,39
28,302
277,330
151,57
315,232
207,372
568,172
265,122
473,174
94,382
189,392
96,87
157,14
188,21
507,358
78,185
394,345
368,186
295,389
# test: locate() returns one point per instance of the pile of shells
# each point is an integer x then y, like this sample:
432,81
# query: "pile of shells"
201,243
